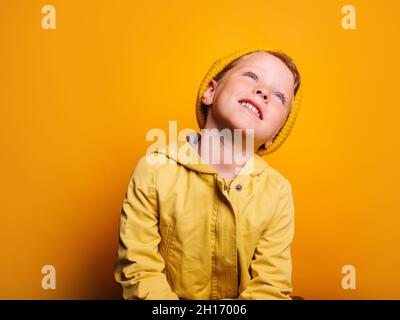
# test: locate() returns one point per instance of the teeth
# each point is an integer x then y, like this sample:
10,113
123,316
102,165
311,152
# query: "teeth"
249,106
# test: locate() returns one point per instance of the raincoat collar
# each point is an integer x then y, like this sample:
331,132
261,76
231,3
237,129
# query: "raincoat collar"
183,153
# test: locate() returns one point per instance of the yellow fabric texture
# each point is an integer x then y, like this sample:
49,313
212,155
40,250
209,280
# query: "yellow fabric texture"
185,233
216,68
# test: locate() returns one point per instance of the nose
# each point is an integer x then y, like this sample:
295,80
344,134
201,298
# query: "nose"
262,93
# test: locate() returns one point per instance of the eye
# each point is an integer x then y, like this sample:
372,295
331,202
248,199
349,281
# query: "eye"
251,75
281,96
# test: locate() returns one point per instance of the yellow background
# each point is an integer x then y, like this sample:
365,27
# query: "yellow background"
76,104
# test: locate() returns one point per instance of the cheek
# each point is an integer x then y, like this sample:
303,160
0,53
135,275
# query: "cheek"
226,99
230,90
275,114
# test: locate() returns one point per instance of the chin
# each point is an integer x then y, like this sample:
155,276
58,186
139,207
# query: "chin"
243,125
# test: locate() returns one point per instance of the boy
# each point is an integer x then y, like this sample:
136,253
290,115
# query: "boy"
217,230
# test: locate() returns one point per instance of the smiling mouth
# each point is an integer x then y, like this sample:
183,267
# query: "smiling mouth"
251,107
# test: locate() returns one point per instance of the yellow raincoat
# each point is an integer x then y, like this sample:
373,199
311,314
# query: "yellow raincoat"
186,233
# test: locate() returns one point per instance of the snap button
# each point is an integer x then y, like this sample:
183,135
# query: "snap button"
238,187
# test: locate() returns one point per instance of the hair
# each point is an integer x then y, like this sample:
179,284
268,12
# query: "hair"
288,61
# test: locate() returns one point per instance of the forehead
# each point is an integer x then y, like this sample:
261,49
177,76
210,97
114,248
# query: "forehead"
267,64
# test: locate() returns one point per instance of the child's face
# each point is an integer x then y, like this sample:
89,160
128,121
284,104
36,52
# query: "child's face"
260,79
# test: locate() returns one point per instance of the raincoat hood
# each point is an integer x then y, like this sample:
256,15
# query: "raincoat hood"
185,154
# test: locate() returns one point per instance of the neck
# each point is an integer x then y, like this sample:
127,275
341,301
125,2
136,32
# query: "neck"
225,150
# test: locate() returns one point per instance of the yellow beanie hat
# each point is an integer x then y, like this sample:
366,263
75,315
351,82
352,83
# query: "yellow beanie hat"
215,69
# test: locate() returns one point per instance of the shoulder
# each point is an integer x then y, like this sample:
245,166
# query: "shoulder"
143,173
143,166
276,180
153,167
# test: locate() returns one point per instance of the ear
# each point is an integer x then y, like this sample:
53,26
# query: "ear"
271,141
208,95
275,135
268,144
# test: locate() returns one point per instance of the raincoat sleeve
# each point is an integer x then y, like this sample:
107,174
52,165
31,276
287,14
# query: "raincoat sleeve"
271,267
139,265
